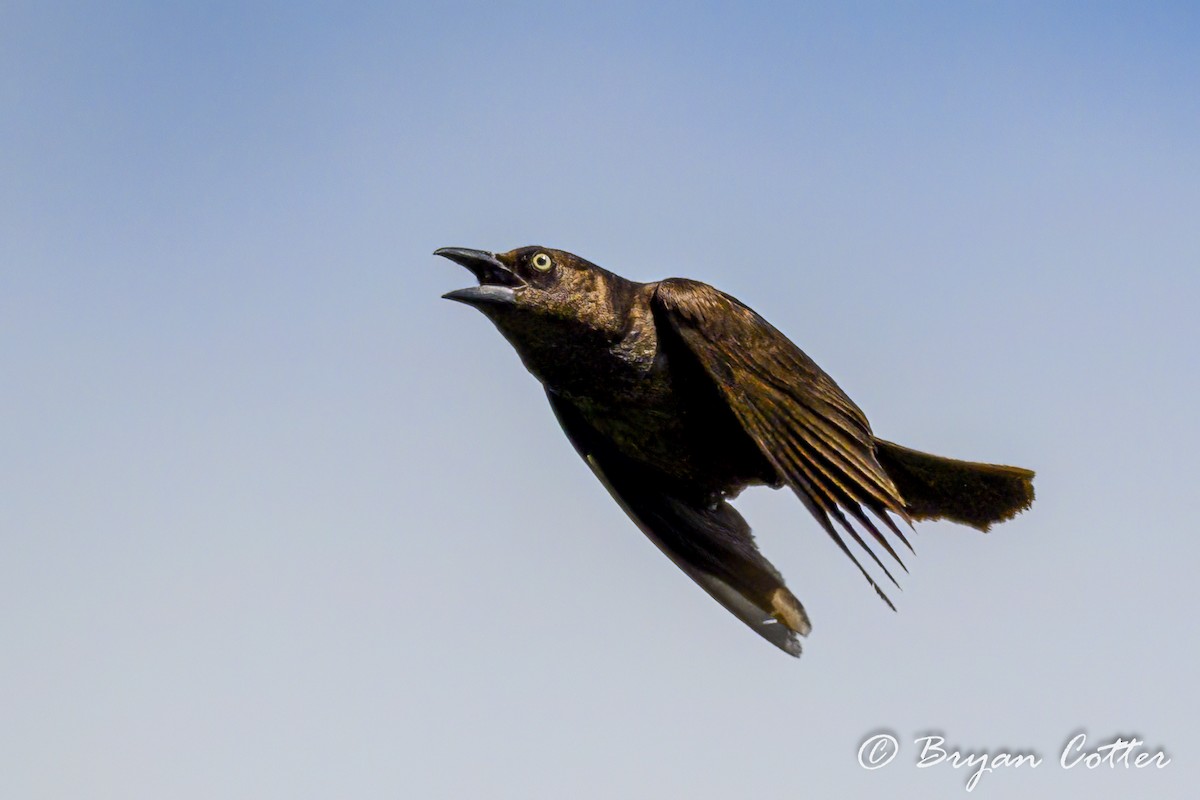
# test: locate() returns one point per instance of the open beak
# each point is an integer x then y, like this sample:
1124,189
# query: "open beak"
496,281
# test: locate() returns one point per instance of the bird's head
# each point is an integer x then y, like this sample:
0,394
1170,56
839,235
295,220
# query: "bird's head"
537,293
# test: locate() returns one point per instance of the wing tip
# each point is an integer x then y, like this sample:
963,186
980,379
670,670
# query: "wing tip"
788,610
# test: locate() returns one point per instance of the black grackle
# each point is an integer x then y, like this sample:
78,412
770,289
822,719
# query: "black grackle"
678,397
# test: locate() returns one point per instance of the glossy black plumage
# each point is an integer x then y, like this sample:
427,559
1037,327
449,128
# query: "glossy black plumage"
678,396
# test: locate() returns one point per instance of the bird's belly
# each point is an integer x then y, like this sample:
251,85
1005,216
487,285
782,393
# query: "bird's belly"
647,433
703,452
667,417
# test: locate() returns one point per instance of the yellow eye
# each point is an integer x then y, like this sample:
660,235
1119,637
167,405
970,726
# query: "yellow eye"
542,263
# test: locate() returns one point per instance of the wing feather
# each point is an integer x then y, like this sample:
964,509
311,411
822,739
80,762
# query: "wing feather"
704,536
815,437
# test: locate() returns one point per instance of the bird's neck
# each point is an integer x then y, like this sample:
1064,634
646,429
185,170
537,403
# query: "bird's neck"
614,349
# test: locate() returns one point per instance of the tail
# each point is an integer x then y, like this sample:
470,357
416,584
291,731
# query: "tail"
961,491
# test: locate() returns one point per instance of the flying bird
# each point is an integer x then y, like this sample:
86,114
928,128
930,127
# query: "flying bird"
678,396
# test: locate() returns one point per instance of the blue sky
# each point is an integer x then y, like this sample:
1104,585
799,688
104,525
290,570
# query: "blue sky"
278,521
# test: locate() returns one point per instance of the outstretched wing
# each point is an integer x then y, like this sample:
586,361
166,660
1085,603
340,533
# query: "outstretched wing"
706,539
816,438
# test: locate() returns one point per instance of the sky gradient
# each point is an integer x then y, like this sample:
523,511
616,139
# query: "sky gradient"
278,521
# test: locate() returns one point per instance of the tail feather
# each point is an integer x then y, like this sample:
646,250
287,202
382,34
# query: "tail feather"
974,494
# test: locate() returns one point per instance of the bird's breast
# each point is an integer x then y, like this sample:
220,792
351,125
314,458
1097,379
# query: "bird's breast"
655,416
667,415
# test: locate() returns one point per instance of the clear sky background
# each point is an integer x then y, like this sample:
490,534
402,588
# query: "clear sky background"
277,521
